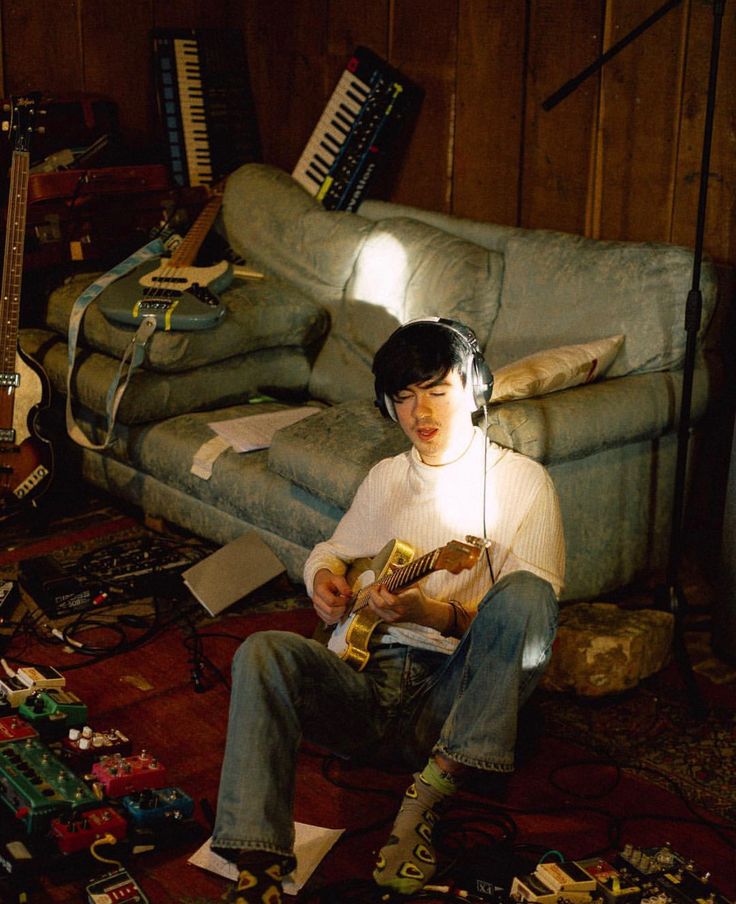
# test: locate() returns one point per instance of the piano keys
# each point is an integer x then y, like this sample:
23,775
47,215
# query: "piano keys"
361,121
205,103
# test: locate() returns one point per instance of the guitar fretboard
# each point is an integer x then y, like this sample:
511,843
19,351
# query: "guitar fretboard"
13,263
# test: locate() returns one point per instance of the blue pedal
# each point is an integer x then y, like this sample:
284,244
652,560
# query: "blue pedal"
150,808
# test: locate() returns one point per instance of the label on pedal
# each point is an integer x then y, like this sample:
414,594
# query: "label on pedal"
40,676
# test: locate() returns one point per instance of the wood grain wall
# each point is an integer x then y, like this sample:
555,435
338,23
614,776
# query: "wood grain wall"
619,158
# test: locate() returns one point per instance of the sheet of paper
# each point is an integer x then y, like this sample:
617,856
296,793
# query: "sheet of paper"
255,431
311,844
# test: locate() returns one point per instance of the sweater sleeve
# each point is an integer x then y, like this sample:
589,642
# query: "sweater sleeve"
353,537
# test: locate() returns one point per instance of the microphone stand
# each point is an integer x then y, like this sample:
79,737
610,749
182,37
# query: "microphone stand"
672,594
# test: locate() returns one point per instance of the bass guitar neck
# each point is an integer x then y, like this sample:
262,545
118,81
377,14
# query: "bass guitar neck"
25,455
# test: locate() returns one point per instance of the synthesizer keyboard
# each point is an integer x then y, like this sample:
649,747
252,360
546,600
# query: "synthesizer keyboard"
361,121
205,103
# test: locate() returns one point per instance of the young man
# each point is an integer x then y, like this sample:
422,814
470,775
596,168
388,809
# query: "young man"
452,659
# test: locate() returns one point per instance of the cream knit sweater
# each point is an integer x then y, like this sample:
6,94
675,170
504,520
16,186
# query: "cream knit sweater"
427,506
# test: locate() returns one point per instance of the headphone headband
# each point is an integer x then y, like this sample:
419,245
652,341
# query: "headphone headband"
478,374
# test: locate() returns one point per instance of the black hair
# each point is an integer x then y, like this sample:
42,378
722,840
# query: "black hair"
416,353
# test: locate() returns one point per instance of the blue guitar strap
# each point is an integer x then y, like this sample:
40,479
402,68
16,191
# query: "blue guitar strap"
132,356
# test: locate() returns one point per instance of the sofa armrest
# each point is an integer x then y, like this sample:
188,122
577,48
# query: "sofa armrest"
586,419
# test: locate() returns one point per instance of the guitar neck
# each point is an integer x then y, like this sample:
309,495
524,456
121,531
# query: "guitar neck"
411,572
13,259
186,253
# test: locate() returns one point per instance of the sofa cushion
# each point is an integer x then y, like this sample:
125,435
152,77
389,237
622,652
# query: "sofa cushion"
276,225
329,453
555,369
582,421
561,289
262,313
154,396
405,269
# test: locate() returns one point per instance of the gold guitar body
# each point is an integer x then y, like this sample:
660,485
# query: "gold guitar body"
350,637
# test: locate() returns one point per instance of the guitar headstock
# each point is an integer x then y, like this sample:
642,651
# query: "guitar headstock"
20,126
456,556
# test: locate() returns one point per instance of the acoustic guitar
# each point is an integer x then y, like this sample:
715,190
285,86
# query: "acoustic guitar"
396,568
26,457
179,295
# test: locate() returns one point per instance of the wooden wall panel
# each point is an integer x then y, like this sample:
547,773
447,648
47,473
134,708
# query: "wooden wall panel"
424,48
557,148
117,62
640,113
619,158
191,14
490,92
287,44
721,197
42,50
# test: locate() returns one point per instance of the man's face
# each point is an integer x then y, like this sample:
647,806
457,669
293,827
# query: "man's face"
436,416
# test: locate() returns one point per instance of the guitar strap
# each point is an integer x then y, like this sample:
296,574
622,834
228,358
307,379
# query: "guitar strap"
132,356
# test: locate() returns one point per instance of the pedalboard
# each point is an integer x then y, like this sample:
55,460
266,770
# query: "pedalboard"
656,875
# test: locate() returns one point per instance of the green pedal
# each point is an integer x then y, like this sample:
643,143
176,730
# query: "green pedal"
36,785
52,706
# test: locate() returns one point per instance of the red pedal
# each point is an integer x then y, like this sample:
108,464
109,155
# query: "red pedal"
121,775
83,746
78,831
13,728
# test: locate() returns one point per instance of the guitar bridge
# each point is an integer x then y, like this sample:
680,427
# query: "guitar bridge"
10,379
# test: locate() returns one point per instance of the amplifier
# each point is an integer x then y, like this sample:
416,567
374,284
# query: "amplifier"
53,587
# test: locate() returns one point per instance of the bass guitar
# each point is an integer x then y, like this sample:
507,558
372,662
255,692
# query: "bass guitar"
179,295
396,568
26,457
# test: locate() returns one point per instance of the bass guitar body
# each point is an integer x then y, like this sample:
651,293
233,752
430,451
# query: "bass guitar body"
180,298
26,457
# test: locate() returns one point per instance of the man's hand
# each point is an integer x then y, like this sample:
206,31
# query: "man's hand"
330,596
412,605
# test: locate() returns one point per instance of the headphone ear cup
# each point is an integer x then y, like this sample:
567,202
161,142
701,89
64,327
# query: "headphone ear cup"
481,380
387,407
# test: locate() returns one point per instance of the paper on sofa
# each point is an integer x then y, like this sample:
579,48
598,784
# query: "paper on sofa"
255,431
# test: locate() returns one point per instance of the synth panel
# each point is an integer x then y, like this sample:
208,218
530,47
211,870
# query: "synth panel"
357,131
205,103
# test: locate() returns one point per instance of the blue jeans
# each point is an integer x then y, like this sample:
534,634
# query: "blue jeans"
406,704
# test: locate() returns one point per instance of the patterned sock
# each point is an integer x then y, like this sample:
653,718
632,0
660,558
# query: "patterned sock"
259,881
407,861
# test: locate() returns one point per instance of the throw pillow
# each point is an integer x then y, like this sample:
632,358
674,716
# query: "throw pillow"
555,368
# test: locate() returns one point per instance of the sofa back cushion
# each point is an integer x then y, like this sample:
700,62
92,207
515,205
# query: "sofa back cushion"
561,289
275,224
405,270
